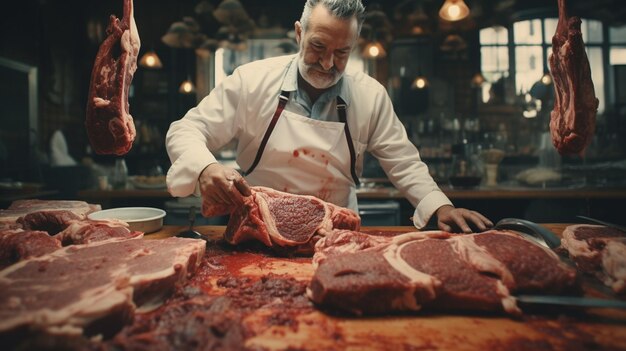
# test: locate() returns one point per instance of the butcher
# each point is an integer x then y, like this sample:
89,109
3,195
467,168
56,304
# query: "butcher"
302,125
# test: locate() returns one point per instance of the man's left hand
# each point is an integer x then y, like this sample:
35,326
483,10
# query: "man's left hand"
451,219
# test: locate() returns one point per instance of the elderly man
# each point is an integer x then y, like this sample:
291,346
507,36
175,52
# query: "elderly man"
302,125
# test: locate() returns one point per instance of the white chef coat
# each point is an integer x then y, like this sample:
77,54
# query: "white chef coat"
242,106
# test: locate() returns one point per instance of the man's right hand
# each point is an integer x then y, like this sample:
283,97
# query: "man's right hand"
222,185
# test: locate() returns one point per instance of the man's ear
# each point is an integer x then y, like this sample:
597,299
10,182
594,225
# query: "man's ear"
298,27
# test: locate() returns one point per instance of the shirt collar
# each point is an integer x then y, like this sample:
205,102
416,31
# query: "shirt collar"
290,83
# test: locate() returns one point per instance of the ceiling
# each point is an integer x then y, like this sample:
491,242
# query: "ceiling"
488,12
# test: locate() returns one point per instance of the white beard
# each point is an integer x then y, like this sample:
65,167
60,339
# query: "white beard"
317,81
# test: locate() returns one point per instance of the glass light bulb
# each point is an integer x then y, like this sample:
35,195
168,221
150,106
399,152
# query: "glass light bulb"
420,83
454,11
373,51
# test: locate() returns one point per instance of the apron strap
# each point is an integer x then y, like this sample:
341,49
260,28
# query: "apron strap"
341,111
282,101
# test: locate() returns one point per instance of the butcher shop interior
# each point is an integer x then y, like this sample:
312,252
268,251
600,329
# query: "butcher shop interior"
513,109
476,92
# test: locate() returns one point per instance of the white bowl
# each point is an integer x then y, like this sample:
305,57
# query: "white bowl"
142,219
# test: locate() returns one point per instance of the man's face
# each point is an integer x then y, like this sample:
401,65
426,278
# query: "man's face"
325,47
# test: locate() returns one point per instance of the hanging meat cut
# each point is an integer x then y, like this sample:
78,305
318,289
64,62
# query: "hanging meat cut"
365,274
109,124
600,251
281,220
573,119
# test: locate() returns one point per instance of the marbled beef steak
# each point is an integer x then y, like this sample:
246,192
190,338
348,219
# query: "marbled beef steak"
367,274
283,221
600,251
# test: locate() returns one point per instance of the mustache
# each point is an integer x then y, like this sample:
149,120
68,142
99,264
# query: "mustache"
319,67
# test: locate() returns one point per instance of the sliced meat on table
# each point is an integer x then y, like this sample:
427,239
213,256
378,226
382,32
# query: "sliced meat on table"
367,274
110,126
18,244
598,250
93,289
281,220
89,231
51,222
10,218
573,119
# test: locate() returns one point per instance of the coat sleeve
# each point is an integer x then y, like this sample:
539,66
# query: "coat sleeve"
400,159
205,128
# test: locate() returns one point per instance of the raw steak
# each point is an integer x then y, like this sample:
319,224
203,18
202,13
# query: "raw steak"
367,274
281,220
93,289
109,124
598,250
573,119
17,245
21,208
51,222
88,231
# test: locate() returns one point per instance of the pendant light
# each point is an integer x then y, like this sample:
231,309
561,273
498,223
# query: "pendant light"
187,87
420,82
454,10
478,80
546,79
150,60
374,50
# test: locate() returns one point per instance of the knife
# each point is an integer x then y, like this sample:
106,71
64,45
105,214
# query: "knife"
612,225
570,301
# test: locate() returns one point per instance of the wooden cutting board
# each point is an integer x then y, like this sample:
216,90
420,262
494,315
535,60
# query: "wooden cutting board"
593,329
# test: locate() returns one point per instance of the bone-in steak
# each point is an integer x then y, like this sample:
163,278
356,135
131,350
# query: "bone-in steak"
281,220
360,273
598,250
72,290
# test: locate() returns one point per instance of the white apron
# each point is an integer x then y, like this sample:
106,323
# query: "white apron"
307,156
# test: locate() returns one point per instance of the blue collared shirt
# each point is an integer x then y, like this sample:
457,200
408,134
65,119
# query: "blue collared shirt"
324,109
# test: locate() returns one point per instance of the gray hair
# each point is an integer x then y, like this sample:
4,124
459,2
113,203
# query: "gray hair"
343,9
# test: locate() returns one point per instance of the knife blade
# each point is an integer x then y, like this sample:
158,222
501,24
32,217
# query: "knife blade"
570,301
608,224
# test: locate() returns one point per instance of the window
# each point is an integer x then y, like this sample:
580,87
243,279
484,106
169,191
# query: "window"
617,39
494,57
531,46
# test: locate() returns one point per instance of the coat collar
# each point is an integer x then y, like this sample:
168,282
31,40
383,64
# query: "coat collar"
290,83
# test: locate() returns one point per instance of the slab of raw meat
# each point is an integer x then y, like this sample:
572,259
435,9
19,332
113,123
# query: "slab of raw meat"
367,274
93,289
598,250
573,119
51,222
89,231
110,126
281,220
18,244
21,208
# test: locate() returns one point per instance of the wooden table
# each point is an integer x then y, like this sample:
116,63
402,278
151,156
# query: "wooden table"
595,329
